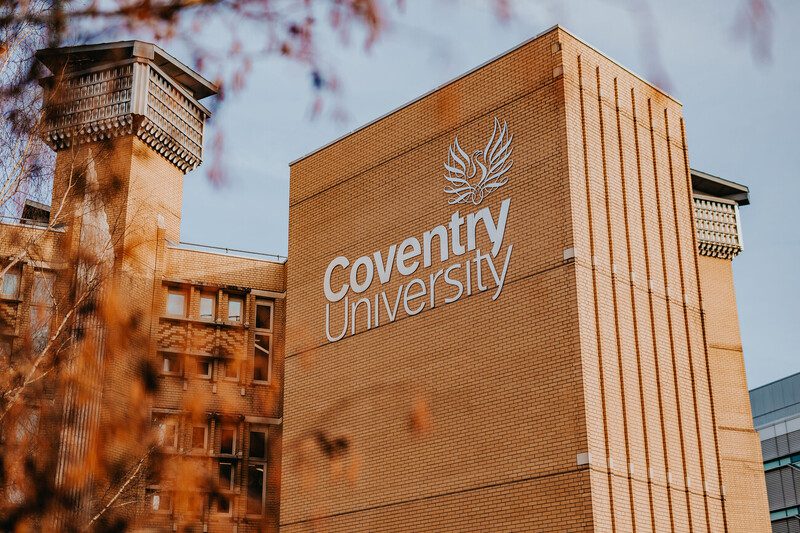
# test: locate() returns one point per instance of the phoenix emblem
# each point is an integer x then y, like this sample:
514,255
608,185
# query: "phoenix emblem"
473,177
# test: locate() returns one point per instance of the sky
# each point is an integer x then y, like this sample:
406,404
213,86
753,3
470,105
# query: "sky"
742,115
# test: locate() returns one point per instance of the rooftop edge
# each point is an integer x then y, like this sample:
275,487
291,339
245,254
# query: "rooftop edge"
475,69
56,59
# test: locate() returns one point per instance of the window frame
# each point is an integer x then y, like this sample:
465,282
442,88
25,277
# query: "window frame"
205,438
179,362
241,300
228,492
204,501
158,491
178,291
224,373
261,302
40,312
255,462
6,349
205,360
264,431
14,272
235,428
256,346
207,296
48,277
167,419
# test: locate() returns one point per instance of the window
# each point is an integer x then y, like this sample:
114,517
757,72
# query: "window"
11,283
256,470
225,475
176,302
258,444
235,306
203,367
225,484
27,425
40,328
199,437
227,440
191,503
43,289
5,350
261,358
166,429
42,302
230,369
256,474
171,364
263,315
159,500
208,305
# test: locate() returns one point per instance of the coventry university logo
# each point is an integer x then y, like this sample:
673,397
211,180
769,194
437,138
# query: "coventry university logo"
467,184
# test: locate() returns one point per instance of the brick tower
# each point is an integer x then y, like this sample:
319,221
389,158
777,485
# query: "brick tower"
498,312
126,124
189,339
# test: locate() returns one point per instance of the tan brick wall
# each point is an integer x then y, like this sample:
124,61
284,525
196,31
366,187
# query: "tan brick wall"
602,354
740,448
141,199
502,378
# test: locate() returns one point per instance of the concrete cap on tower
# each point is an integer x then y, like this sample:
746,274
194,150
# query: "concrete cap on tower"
103,91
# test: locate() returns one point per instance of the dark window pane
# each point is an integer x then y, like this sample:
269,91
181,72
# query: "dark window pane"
261,358
255,489
226,440
258,445
171,364
226,476
261,368
223,505
204,367
263,316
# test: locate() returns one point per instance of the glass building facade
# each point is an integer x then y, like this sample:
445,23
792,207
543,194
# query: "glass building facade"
776,416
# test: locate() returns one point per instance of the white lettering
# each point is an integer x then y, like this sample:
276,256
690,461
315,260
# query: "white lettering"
366,262
385,268
427,237
353,316
410,297
433,279
502,279
393,311
409,249
497,231
328,322
481,227
342,262
478,277
454,282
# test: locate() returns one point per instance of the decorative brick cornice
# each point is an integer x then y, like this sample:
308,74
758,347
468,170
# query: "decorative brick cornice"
718,230
133,97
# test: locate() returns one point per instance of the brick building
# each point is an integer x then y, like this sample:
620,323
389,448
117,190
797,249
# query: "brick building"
776,416
509,307
126,122
518,315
